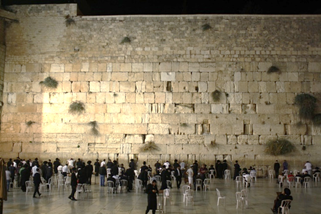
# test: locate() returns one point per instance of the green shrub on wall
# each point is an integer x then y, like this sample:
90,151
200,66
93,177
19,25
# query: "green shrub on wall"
307,105
216,95
94,128
279,147
49,82
149,147
77,107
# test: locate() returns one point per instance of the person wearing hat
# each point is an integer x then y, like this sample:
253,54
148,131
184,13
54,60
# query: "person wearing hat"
73,184
56,164
89,171
152,190
286,195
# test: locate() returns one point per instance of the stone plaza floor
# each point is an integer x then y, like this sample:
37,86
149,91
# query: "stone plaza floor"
260,199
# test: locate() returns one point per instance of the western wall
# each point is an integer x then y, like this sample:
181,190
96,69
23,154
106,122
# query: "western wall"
147,84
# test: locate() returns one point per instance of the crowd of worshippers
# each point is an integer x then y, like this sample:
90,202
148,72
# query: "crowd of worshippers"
22,170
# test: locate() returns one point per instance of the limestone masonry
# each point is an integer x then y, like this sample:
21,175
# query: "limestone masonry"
158,86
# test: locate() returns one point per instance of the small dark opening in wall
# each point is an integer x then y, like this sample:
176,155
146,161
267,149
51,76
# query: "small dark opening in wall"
169,86
196,88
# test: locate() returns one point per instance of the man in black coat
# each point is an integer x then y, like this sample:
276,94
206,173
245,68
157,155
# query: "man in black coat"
89,171
132,164
56,164
73,184
114,169
152,197
178,176
131,177
97,165
25,175
37,182
237,169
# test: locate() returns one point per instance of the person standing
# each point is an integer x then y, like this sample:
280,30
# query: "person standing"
308,167
25,175
97,165
8,178
152,197
37,182
285,165
132,164
237,169
103,174
276,168
157,167
190,173
73,184
89,171
56,164
224,167
178,176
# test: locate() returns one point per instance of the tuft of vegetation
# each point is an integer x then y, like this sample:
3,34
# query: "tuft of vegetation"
212,144
317,120
94,128
206,27
149,147
279,147
273,69
49,82
126,39
69,21
304,148
299,124
184,125
307,105
77,107
78,146
29,123
216,95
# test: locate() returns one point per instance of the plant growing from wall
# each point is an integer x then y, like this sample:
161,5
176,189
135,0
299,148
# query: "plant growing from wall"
126,39
216,95
94,128
49,82
184,125
307,105
206,27
77,107
29,123
279,147
273,69
149,147
69,21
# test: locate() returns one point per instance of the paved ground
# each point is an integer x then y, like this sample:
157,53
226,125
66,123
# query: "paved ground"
260,196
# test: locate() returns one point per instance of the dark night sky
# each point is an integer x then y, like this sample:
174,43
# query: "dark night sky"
116,7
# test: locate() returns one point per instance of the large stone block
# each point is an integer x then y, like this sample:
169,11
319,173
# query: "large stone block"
168,76
57,68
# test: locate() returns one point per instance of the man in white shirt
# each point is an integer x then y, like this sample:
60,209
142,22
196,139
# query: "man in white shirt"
34,170
64,170
308,167
103,163
166,164
59,169
71,163
190,174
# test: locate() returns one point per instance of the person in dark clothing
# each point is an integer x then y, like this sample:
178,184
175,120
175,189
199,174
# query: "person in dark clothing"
109,164
152,197
73,184
195,172
131,177
55,165
35,162
9,163
218,167
89,171
276,168
44,169
178,176
157,167
48,174
97,165
224,167
237,169
12,170
114,169
286,195
144,174
79,163
132,164
82,176
25,175
103,173
164,178
36,182
50,163
175,164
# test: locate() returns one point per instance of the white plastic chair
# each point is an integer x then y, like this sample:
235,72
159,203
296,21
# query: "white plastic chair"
189,197
108,172
136,173
238,196
198,183
184,188
253,175
219,197
124,184
227,174
29,186
306,182
271,174
238,181
173,175
316,177
212,174
245,197
61,183
79,189
166,194
138,185
110,187
298,182
281,180
44,184
206,185
285,207
290,181
169,184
